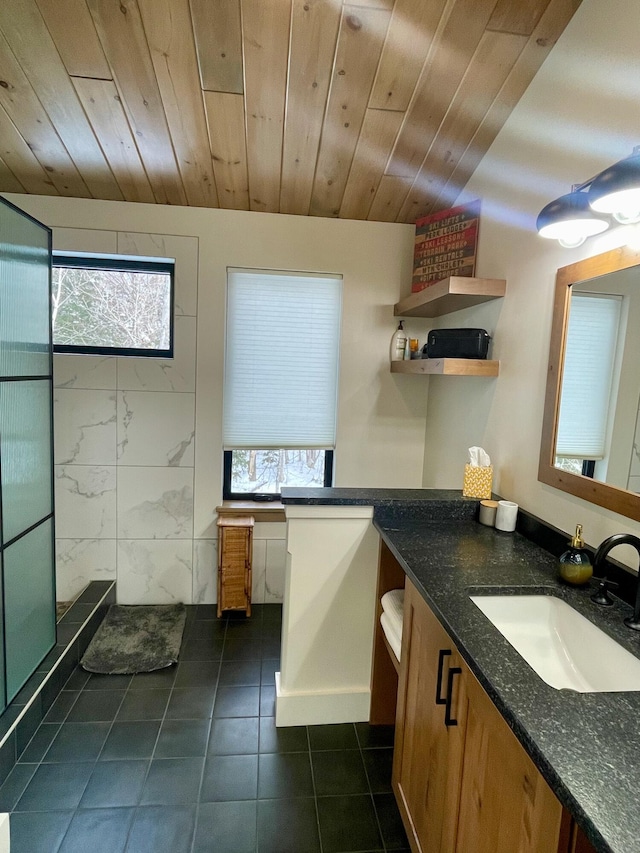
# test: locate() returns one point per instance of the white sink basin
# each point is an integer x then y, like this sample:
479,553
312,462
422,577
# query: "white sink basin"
564,648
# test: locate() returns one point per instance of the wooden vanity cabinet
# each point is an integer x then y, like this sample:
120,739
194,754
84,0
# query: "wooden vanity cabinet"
463,782
572,838
505,804
427,753
581,843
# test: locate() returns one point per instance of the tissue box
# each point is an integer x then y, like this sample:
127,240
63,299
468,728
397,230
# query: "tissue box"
477,481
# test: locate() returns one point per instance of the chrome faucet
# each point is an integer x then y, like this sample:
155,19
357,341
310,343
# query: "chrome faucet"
601,553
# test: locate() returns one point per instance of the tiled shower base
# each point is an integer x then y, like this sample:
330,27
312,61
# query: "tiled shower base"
74,632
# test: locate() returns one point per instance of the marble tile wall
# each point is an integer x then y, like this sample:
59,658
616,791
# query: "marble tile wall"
124,452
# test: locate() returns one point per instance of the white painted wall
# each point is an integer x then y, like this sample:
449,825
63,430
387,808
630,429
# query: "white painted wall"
578,116
381,418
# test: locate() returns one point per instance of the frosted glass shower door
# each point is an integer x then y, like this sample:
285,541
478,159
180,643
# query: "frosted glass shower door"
26,470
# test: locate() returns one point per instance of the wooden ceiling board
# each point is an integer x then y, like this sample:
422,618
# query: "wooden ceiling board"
218,35
389,198
360,40
32,45
265,30
28,115
452,50
228,147
21,160
553,22
124,42
371,4
378,133
517,16
412,28
78,44
8,180
102,105
496,55
366,109
314,32
167,24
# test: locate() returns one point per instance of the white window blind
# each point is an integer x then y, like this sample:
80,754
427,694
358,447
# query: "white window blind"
592,338
281,359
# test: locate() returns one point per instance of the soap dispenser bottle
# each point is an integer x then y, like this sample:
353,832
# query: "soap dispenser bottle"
575,563
399,343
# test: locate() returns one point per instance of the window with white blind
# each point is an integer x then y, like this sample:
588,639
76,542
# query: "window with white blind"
281,380
587,382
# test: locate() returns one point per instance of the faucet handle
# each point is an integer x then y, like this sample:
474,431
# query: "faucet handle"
601,595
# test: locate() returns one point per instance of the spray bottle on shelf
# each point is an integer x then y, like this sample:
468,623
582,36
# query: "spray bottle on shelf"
398,343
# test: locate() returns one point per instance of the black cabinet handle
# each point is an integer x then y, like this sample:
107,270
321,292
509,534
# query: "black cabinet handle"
442,654
448,719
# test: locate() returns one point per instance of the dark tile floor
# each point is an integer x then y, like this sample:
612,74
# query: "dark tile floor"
188,760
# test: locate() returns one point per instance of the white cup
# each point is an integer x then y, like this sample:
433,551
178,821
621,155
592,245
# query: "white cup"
506,516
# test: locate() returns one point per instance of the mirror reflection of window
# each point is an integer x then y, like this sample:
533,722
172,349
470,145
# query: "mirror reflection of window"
589,379
615,484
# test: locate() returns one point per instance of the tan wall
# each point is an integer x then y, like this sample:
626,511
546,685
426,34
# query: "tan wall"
576,118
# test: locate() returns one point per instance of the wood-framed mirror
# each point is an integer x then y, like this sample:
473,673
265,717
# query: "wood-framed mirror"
609,482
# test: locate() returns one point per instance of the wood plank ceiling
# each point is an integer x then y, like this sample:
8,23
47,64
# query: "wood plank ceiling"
368,109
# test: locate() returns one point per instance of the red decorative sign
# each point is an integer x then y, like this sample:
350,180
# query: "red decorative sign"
446,245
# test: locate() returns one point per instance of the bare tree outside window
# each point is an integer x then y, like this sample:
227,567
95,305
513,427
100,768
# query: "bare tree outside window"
268,471
567,463
116,308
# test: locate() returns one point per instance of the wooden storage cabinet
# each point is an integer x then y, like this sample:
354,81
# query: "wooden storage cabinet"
428,754
572,838
505,804
235,551
463,782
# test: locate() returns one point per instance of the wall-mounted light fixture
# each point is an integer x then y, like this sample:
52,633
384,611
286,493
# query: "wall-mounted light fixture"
587,209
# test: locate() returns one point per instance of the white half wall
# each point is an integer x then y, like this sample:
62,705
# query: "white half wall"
329,615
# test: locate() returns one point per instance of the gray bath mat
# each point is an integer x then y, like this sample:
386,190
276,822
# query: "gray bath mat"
138,638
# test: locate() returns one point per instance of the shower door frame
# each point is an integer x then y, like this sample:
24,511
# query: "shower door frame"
5,696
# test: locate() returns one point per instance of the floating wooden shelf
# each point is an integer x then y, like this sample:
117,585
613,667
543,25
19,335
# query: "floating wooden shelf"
447,367
450,294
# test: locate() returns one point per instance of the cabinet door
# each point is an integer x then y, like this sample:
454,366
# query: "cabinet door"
428,753
505,804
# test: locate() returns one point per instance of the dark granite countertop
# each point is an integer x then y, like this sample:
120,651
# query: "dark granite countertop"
404,501
587,745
